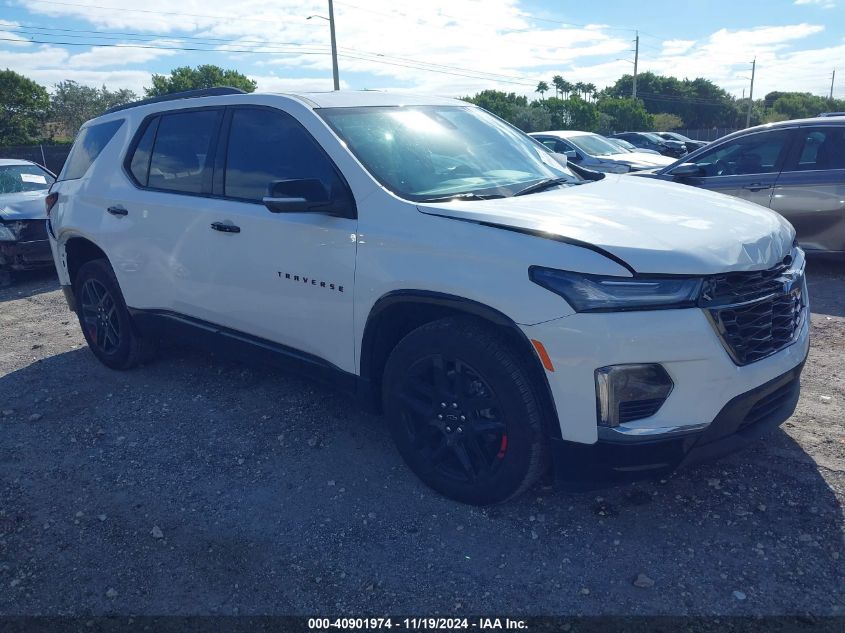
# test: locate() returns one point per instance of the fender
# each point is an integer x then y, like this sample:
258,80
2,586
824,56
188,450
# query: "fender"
369,365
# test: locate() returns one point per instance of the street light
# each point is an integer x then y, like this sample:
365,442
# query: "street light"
330,20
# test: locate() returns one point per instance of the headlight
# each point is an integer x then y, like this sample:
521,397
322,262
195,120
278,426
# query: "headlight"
595,293
7,235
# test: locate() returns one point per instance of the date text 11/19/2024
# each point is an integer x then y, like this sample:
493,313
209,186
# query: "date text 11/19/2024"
416,624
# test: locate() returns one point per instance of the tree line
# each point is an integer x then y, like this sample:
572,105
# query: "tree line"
32,114
662,104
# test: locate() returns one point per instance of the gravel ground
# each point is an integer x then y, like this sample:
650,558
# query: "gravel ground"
196,485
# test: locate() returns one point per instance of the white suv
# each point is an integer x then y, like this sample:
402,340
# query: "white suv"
504,312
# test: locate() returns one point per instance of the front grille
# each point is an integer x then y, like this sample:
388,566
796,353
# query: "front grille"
29,230
757,313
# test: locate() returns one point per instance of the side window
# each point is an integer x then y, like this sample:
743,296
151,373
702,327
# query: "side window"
550,143
87,147
181,159
139,165
822,148
752,154
266,146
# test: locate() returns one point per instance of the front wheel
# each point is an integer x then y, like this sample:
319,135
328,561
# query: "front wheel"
104,318
463,411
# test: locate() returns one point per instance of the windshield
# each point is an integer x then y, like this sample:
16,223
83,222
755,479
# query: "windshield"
21,178
653,137
428,152
594,145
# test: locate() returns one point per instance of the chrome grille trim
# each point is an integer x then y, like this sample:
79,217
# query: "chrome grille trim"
757,313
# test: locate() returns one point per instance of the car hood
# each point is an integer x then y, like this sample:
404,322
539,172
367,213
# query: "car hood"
28,205
652,225
640,159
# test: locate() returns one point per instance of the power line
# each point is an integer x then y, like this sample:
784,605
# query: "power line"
153,39
416,66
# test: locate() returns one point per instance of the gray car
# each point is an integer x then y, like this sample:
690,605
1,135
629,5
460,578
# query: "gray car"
23,217
796,168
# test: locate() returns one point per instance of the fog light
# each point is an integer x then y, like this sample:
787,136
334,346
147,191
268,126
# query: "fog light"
625,393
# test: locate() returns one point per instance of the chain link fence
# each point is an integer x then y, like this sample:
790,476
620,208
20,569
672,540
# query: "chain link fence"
50,156
707,134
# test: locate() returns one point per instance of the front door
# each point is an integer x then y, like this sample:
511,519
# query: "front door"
284,277
746,167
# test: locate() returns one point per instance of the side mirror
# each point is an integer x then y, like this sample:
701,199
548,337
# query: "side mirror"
687,170
572,155
298,195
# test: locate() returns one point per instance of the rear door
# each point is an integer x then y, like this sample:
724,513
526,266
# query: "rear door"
746,167
158,259
810,192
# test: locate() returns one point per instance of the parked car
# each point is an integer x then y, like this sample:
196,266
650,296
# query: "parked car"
649,140
23,217
630,146
598,153
796,168
444,267
689,144
832,114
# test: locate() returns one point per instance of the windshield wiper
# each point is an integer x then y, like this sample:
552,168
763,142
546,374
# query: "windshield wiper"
548,183
468,195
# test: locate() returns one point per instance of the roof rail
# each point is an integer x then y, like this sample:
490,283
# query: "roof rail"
173,96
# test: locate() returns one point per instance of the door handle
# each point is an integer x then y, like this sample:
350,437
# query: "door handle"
118,211
225,228
757,186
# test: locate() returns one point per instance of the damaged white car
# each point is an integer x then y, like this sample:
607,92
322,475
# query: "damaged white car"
23,217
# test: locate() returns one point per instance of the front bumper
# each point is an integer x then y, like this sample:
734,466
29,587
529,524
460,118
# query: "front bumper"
627,458
25,255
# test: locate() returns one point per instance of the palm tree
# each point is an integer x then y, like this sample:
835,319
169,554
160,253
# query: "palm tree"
542,88
580,88
566,88
559,84
590,90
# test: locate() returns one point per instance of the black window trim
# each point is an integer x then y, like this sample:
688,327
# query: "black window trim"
218,149
139,134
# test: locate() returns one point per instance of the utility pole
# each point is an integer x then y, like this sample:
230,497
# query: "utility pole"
751,93
335,73
636,60
832,77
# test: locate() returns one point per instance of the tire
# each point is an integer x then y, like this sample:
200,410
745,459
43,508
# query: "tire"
463,412
104,319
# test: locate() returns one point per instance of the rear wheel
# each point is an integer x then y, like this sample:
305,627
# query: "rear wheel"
463,412
104,318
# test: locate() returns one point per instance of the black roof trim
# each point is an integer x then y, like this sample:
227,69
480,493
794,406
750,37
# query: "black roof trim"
174,96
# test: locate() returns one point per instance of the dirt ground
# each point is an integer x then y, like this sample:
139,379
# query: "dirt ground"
196,485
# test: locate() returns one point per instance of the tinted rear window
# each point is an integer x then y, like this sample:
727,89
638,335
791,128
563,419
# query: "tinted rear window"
182,159
87,147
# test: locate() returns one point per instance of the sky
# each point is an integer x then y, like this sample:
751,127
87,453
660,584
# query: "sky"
441,47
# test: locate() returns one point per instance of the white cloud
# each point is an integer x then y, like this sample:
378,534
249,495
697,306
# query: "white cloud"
8,31
474,45
824,4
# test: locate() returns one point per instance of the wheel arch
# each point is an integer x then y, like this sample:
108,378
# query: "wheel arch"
77,251
397,313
